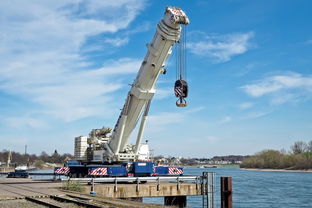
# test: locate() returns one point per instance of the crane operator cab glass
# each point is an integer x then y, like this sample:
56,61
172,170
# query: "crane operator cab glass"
181,91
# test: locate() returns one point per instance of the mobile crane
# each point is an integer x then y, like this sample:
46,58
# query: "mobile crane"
111,155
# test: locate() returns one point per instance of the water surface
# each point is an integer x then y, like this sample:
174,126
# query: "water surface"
257,189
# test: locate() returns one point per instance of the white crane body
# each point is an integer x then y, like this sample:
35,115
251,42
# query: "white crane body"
115,148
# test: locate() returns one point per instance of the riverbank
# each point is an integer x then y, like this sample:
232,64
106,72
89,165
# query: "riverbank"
278,170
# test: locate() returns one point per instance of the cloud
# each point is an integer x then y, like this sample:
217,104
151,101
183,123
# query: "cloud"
256,115
221,48
42,61
117,41
309,41
68,94
20,122
165,118
212,139
288,87
278,83
161,120
163,93
244,106
226,119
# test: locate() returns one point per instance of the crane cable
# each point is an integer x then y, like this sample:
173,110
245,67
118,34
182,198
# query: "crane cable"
181,87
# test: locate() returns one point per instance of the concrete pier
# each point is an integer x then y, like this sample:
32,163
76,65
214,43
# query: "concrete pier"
144,190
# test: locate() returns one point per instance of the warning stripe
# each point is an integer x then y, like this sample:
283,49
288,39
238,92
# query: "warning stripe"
178,91
62,170
98,171
175,171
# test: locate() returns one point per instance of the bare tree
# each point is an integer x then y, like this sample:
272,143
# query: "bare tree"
309,148
299,147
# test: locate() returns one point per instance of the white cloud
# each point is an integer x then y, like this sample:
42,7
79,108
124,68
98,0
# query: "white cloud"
221,48
20,122
163,93
41,59
226,119
117,41
165,118
244,106
288,87
69,94
253,115
282,88
160,121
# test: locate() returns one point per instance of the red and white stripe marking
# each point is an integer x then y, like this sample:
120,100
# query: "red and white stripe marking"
63,170
175,171
178,92
98,171
176,11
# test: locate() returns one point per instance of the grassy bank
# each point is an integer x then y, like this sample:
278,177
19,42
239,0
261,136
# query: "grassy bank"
273,159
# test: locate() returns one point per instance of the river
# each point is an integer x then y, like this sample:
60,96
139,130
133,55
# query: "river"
257,189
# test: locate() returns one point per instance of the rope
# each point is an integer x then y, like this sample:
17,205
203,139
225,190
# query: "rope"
180,55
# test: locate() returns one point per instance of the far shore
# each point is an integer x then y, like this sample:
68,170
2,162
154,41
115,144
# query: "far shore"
278,170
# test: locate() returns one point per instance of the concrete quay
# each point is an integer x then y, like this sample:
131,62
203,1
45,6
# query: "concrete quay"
107,190
15,192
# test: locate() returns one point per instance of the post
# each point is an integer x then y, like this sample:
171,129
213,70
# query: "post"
177,201
210,189
115,187
226,192
158,184
207,190
137,185
92,185
92,192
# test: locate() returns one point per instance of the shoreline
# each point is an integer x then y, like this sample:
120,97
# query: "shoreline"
278,170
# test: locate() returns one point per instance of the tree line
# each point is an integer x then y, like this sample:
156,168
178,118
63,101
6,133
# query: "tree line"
33,159
298,158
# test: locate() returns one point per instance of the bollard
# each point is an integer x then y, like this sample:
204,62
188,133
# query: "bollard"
158,184
137,186
196,181
115,187
92,185
92,192
226,192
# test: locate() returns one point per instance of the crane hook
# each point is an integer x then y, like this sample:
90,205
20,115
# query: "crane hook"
181,91
181,102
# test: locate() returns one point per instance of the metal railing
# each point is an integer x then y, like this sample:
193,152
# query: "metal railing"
134,179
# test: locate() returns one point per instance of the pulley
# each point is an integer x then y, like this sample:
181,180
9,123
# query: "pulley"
181,91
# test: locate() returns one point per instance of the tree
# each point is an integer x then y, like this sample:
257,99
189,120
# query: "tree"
309,148
299,147
56,158
44,157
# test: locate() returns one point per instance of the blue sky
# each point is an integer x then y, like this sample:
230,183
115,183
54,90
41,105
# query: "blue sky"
65,67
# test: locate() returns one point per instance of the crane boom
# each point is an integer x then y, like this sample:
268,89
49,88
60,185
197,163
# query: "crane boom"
143,88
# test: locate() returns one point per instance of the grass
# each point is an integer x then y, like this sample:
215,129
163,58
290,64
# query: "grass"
73,186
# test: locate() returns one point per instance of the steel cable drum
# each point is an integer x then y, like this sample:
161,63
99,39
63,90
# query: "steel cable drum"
181,91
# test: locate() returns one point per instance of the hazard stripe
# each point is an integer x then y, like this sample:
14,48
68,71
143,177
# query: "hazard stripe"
178,92
98,171
175,171
63,170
